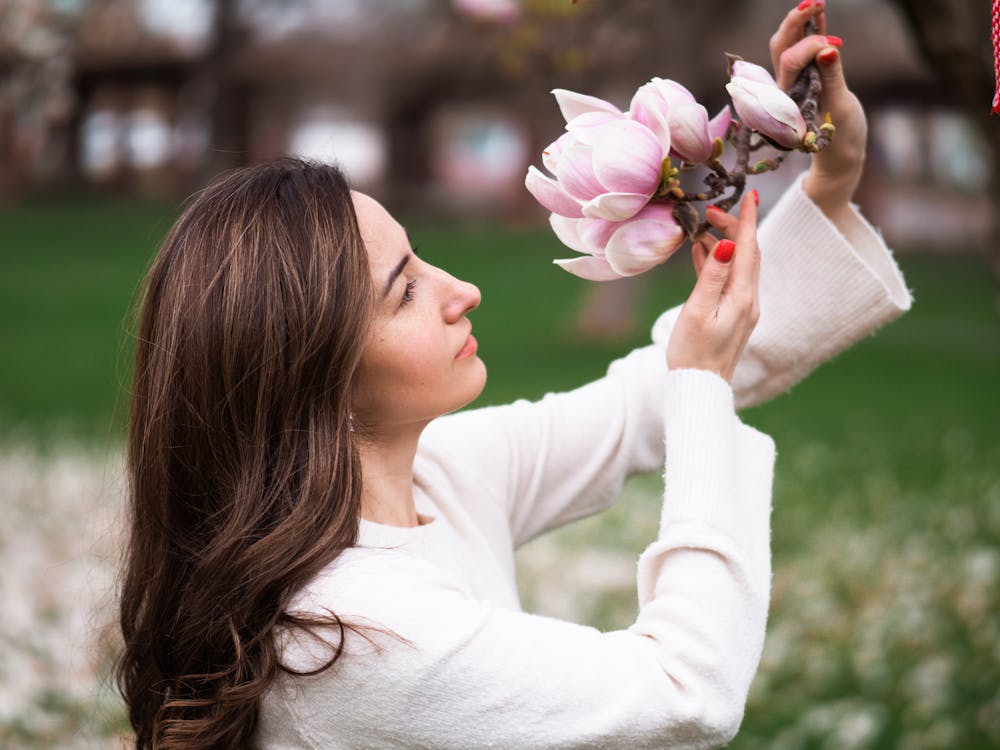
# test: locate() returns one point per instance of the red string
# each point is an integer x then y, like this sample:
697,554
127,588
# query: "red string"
996,55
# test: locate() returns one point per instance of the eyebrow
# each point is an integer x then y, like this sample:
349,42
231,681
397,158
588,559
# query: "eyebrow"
393,274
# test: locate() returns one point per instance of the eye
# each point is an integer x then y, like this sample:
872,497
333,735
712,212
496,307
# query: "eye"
408,294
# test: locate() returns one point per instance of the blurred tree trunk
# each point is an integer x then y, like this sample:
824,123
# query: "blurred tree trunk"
954,38
222,95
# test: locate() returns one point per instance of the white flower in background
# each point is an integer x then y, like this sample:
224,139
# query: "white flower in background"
504,11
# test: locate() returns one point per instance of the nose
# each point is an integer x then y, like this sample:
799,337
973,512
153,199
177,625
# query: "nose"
463,297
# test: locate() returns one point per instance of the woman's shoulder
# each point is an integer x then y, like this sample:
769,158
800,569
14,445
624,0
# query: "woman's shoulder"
369,575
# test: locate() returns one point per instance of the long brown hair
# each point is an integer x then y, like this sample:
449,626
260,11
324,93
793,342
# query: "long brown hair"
243,474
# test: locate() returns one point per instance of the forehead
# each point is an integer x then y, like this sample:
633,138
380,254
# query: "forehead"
384,238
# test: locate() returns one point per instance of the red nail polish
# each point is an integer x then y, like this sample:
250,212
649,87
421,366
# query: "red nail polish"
724,250
712,208
756,197
827,56
836,41
804,4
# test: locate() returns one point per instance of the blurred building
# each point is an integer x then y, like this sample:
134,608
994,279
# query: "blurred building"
431,108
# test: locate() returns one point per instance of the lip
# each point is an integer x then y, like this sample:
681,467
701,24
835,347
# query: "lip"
470,348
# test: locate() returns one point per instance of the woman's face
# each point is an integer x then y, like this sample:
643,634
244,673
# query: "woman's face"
419,361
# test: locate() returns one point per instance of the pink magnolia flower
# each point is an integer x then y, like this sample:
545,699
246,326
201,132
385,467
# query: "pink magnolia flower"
613,250
605,166
672,113
763,107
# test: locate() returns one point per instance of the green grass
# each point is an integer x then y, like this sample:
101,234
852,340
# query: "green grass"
69,271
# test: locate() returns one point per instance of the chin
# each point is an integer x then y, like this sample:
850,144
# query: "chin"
479,382
474,384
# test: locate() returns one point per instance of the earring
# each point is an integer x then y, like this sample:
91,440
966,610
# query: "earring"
350,421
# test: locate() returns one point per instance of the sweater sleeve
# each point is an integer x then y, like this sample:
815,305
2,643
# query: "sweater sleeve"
473,675
821,291
548,462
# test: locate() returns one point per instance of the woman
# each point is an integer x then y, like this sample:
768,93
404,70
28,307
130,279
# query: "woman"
319,559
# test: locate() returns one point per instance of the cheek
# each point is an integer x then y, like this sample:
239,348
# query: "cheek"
405,371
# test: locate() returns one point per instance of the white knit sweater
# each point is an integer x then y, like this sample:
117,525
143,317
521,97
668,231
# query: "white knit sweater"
479,672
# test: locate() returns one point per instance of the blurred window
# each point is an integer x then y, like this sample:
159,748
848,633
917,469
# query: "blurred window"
957,153
148,139
940,147
100,148
330,135
187,22
479,154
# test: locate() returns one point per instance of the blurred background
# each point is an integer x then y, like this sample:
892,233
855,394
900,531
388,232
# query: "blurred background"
885,619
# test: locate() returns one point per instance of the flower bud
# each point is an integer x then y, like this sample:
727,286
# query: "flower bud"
768,110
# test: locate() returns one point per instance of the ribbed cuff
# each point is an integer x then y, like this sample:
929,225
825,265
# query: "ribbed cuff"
843,287
699,432
718,470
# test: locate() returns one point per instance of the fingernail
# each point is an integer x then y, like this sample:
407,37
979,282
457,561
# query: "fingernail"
724,251
756,197
827,56
803,5
712,208
836,41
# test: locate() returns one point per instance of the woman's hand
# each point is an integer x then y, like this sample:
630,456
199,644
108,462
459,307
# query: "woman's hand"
716,321
836,170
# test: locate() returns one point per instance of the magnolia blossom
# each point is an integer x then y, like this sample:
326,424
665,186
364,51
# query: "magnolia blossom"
606,166
763,107
611,186
678,120
613,250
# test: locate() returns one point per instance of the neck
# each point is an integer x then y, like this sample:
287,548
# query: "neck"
387,472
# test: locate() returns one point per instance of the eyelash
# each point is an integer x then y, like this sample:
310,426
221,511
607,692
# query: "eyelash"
408,294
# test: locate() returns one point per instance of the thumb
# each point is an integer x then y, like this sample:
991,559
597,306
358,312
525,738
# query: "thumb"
831,71
714,274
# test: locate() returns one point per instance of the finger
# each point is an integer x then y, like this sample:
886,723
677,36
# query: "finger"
795,58
719,219
713,278
793,28
698,256
831,72
747,256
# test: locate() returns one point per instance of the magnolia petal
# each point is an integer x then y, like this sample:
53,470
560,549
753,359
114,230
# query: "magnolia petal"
595,233
689,136
647,240
588,267
627,158
575,173
718,126
769,110
584,128
673,92
751,72
548,192
650,109
568,232
572,104
550,156
615,206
